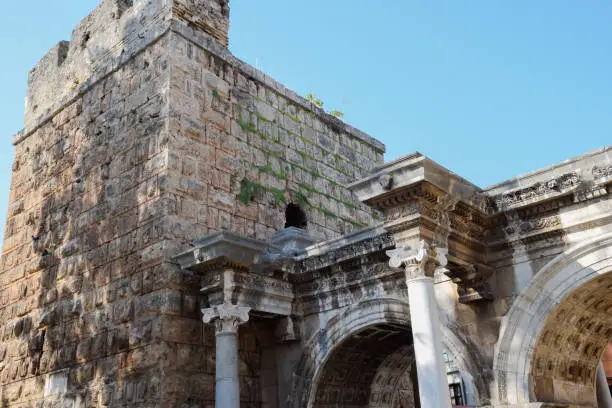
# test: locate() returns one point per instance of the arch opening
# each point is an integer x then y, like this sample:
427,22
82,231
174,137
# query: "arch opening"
570,346
389,314
373,368
552,339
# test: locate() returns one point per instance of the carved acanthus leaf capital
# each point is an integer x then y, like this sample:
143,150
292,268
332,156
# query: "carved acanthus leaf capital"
418,260
226,317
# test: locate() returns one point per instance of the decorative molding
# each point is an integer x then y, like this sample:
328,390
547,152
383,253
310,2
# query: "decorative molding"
466,225
226,317
590,193
419,261
601,172
265,294
406,210
223,249
529,194
363,247
253,281
524,226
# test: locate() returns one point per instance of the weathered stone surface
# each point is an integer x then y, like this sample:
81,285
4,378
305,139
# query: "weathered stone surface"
143,134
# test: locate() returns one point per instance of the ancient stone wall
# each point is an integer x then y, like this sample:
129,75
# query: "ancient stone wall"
142,134
84,293
108,37
243,147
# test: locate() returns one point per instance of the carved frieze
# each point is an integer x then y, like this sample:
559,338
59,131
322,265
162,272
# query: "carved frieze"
359,275
522,196
252,281
483,203
524,226
602,171
341,289
445,205
364,247
402,211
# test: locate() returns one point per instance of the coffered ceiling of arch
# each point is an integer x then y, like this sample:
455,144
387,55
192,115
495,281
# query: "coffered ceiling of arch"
373,368
571,343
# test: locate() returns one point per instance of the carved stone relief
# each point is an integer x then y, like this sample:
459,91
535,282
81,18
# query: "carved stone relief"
519,197
383,380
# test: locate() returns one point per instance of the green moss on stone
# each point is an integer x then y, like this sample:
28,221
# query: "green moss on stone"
247,189
326,212
262,117
248,126
308,188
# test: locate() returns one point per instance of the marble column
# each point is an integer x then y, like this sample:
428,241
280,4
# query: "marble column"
420,263
226,318
604,399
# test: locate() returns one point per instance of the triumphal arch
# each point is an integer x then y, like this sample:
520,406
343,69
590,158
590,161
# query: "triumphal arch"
184,231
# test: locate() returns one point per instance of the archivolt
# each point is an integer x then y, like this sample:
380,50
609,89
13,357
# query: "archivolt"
370,312
527,317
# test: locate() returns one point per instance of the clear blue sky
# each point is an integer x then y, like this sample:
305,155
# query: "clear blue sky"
489,89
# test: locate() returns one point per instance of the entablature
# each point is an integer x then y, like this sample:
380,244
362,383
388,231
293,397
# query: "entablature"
228,266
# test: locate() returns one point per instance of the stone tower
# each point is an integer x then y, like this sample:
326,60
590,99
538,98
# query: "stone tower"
142,134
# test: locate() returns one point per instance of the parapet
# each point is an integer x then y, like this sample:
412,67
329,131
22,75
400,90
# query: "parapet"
110,35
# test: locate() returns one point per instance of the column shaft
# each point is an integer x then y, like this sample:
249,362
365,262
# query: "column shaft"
227,392
425,321
604,399
226,318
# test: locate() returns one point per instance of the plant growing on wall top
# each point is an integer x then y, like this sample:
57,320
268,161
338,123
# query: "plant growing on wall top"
313,98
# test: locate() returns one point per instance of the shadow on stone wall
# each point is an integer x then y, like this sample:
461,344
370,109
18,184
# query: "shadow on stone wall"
96,244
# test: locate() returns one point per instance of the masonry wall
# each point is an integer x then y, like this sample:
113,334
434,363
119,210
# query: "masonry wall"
243,147
142,134
84,293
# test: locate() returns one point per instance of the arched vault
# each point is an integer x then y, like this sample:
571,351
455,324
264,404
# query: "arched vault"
552,338
375,313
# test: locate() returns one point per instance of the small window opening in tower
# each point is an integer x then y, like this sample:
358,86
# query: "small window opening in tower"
295,217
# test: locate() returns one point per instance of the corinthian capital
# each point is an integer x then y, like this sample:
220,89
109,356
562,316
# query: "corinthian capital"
226,317
418,260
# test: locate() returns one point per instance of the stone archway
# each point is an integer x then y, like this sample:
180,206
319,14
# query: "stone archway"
374,368
386,318
553,337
